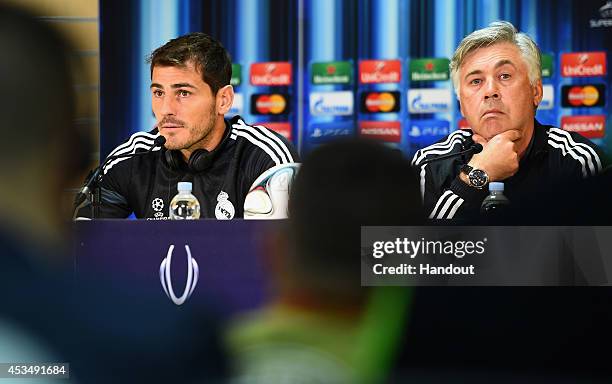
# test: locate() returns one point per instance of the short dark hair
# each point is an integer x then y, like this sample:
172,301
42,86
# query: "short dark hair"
208,55
340,187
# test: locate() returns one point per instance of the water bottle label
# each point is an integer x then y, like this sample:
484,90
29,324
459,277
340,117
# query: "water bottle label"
224,209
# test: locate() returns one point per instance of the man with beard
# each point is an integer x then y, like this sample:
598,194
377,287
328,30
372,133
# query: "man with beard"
496,74
191,93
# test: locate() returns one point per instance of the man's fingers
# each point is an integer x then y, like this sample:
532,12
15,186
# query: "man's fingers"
512,135
479,139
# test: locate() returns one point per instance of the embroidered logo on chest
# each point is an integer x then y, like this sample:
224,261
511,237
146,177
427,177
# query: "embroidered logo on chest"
224,209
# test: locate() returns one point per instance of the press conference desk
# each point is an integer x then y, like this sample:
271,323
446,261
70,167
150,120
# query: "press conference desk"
228,254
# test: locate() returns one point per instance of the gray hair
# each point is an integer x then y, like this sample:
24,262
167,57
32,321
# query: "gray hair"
498,32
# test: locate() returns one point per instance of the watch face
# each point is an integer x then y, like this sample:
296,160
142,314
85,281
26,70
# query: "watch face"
478,178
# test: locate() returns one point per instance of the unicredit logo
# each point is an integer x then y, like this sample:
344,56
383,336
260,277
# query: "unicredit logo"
379,71
165,276
583,64
273,73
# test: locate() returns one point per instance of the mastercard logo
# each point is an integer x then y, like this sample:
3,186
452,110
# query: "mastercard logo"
583,95
380,102
269,104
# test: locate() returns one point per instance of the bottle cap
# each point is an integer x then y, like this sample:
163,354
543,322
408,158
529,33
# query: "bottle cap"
496,186
184,186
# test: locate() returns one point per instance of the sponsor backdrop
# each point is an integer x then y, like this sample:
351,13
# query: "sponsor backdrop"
318,69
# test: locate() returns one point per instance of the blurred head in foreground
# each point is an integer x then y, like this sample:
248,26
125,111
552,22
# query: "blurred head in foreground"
322,325
341,187
41,151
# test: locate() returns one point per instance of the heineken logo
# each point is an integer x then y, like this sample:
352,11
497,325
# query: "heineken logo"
429,69
236,74
547,65
331,72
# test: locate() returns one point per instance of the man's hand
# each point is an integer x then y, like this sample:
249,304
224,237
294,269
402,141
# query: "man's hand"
499,157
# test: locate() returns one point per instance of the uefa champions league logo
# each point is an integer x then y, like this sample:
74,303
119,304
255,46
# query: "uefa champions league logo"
192,276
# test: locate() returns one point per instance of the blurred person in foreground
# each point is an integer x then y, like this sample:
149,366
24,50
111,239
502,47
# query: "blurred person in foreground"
496,73
106,333
190,95
323,326
40,155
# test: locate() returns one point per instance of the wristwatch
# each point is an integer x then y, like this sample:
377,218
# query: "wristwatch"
477,177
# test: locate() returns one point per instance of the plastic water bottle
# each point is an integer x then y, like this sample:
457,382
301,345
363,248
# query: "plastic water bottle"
184,206
495,205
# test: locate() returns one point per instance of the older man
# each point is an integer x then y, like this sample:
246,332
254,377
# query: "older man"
496,74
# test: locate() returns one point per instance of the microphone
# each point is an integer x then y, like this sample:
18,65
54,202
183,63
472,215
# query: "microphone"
474,149
95,176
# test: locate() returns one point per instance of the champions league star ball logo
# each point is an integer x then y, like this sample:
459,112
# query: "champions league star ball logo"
157,204
193,273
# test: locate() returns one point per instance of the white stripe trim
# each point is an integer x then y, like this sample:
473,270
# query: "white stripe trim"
138,141
280,143
258,136
451,141
580,145
588,152
445,207
265,135
565,151
264,147
233,136
574,149
452,212
131,140
117,161
438,151
423,174
433,212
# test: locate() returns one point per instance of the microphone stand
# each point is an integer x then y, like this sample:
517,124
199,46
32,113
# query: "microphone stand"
92,190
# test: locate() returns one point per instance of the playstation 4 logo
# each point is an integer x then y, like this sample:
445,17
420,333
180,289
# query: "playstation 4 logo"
193,273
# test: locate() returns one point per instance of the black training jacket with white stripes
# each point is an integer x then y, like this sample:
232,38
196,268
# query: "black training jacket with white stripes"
554,156
145,185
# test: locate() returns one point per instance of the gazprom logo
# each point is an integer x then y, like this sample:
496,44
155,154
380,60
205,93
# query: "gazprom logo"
237,106
429,100
166,280
548,97
338,103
